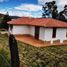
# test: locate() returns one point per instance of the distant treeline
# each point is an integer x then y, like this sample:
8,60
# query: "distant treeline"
4,19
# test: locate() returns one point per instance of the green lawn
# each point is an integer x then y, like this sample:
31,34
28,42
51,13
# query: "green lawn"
54,56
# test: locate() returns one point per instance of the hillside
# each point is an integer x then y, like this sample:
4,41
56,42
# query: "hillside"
4,18
54,56
13,17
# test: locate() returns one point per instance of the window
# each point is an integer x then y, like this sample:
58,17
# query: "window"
54,33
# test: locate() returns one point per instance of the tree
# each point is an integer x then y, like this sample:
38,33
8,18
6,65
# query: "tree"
63,14
54,12
50,10
14,51
46,12
5,19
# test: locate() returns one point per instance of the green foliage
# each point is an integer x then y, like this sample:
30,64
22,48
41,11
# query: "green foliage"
4,59
4,51
4,21
54,56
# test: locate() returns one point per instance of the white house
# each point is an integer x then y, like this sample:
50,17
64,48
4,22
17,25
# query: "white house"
45,29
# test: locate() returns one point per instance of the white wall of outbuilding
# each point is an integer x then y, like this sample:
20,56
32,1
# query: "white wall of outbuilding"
45,34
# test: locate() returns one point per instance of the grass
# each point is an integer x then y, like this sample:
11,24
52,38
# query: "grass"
43,57
30,56
4,51
2,30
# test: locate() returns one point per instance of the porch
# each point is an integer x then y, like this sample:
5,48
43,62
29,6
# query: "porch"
28,39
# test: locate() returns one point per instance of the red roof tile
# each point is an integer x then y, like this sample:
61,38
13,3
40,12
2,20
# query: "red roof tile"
44,22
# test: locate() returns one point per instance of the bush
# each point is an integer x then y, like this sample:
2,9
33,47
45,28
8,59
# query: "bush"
53,56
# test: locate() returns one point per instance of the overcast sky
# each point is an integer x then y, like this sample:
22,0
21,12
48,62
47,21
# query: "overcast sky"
31,8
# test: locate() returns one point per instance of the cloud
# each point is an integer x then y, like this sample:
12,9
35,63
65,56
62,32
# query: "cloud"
31,10
24,13
27,10
3,11
19,13
29,7
43,1
3,1
60,3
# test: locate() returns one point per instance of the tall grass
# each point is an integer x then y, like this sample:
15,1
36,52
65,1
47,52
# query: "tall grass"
4,51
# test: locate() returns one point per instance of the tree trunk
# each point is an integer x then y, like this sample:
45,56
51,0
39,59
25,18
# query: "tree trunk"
14,52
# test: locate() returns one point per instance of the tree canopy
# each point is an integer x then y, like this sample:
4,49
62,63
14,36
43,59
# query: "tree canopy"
50,11
4,21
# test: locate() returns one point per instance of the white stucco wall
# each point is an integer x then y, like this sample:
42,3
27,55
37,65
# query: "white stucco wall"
10,31
42,33
48,34
45,34
61,33
19,29
32,30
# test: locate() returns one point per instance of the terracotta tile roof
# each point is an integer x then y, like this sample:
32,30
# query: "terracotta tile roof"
44,22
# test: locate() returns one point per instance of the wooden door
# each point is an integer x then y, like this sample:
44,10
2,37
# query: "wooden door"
37,32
